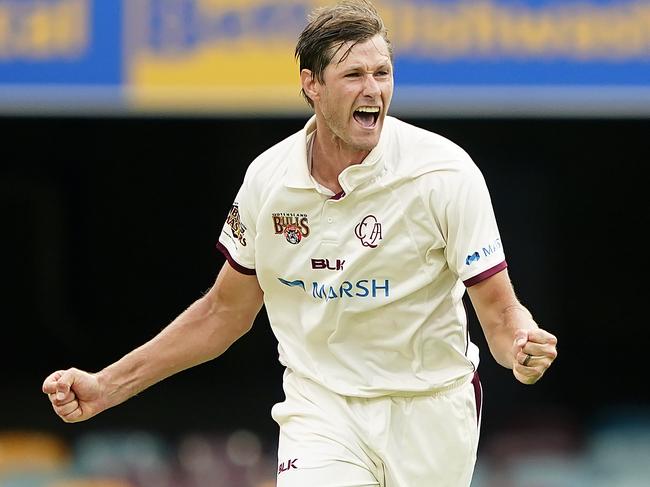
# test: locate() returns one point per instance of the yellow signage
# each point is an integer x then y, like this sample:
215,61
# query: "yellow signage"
237,55
44,30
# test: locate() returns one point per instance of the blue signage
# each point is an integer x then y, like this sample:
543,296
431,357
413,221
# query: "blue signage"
462,57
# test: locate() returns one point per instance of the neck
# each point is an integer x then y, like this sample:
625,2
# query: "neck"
330,157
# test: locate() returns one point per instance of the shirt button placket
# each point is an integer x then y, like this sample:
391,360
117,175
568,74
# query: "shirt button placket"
330,232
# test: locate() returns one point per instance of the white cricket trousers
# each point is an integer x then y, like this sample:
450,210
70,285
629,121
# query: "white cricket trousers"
329,440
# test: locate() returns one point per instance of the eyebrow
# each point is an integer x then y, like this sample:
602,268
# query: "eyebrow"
360,67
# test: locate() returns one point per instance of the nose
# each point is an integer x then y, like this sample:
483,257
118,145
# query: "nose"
371,87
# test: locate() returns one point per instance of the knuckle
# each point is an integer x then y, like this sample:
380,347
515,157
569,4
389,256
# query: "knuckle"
74,415
68,399
532,378
69,413
72,407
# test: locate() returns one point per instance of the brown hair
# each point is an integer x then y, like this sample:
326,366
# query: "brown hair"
329,28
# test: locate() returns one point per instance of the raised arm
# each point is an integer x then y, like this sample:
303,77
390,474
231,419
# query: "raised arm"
515,340
202,332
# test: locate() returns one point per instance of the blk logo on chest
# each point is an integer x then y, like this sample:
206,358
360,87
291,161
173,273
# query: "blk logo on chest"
288,465
331,265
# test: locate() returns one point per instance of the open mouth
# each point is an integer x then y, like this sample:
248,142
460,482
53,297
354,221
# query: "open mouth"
366,116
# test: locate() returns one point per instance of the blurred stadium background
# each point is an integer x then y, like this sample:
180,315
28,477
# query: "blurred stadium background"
126,129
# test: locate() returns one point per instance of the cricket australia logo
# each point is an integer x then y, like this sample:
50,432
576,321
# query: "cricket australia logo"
368,231
236,226
294,226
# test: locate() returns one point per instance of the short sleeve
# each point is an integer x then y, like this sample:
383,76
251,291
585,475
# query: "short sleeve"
474,249
237,238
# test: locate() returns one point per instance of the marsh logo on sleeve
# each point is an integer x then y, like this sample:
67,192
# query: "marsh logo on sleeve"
236,226
475,257
493,247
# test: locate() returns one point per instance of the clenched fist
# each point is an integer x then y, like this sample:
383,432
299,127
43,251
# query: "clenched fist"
75,395
533,352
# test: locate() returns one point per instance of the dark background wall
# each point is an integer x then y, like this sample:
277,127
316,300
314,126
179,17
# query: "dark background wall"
108,232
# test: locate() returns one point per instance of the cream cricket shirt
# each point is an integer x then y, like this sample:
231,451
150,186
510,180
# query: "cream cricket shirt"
363,290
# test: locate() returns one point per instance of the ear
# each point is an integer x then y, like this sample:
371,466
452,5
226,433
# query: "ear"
310,84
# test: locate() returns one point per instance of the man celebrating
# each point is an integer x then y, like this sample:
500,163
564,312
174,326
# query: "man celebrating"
360,234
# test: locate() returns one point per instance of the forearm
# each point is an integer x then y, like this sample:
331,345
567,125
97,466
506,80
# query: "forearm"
202,332
500,333
515,340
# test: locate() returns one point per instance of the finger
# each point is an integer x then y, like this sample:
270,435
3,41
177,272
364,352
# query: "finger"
529,361
544,361
521,337
64,384
66,409
525,379
73,417
542,336
522,357
528,375
542,350
49,384
69,397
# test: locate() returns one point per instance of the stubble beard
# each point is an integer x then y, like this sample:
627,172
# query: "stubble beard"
346,140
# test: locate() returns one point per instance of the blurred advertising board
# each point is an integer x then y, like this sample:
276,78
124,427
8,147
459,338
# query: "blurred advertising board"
230,57
60,55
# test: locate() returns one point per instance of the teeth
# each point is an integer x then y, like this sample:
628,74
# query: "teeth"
368,109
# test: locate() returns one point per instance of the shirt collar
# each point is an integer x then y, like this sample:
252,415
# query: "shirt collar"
298,174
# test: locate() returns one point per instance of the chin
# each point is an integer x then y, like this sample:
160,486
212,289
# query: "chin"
366,143
368,146
367,140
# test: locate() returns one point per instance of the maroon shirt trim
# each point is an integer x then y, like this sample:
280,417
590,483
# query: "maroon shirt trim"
485,274
478,395
466,326
238,267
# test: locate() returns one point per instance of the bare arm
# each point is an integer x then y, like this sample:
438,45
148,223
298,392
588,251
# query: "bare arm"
510,329
202,332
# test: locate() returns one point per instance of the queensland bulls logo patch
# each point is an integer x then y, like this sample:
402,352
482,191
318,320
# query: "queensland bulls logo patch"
293,226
